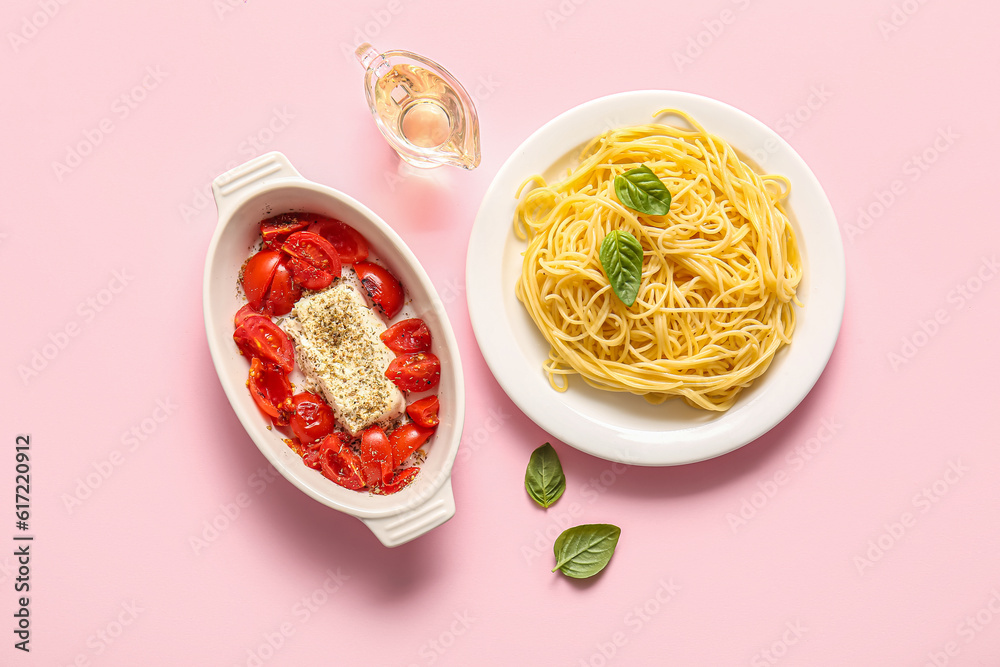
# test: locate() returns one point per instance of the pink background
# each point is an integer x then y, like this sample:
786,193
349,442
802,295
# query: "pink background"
868,533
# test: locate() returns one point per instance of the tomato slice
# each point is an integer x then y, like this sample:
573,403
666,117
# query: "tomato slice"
243,313
312,419
402,480
275,230
271,391
307,275
385,290
406,439
417,371
410,335
376,456
311,457
425,412
350,244
313,260
339,464
258,274
259,337
284,292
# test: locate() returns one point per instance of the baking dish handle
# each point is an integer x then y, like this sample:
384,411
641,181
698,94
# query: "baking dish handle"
236,185
412,523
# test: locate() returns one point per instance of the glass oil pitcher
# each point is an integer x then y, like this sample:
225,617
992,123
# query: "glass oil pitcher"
424,113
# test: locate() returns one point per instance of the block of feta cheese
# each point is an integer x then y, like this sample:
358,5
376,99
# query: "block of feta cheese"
338,349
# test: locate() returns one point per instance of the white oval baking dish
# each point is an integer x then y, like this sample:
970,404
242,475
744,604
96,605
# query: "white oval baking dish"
269,185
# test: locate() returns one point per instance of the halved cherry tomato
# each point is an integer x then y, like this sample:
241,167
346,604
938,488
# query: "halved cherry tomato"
385,290
425,412
307,275
271,391
312,419
417,371
313,260
311,456
275,230
406,439
351,245
243,313
310,452
410,335
283,293
376,456
402,480
258,274
259,337
339,464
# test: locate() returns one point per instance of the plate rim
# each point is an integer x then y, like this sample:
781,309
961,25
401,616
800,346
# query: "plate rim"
564,132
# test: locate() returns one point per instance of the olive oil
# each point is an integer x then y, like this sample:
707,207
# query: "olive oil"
424,113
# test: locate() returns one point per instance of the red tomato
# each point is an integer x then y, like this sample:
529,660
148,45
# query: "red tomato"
313,418
402,480
307,275
425,412
418,371
385,291
309,451
283,293
406,439
259,337
271,391
275,230
314,261
258,275
339,464
351,246
410,335
376,456
311,457
243,313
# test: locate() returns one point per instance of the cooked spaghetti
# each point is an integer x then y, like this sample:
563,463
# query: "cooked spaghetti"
719,270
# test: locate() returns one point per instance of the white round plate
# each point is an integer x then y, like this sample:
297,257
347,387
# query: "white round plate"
621,426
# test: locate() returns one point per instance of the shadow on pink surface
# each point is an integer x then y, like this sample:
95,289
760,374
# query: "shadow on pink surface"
322,538
693,478
325,539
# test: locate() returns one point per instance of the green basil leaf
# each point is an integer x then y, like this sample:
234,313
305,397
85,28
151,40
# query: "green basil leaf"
641,190
544,478
583,551
621,257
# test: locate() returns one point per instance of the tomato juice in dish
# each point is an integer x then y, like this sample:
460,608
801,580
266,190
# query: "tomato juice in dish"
349,420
